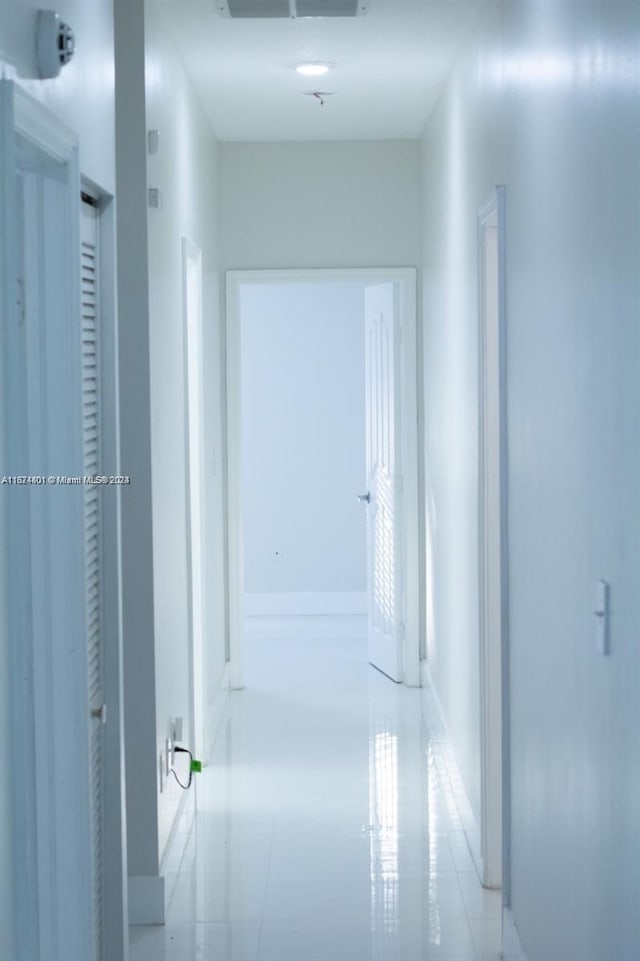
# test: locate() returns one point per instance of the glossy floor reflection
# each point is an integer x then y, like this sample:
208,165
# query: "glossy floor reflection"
327,828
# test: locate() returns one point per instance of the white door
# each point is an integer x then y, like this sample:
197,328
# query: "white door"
92,466
42,507
383,497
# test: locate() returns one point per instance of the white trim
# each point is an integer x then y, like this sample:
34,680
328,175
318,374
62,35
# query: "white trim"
215,714
42,128
438,727
176,846
191,258
512,949
146,900
16,907
305,603
492,558
412,560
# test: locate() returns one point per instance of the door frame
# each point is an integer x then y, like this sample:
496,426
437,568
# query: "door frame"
191,258
407,400
493,547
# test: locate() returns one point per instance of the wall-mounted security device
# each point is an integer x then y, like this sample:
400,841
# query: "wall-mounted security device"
55,44
292,9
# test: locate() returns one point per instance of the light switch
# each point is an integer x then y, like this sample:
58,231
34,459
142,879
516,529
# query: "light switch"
602,615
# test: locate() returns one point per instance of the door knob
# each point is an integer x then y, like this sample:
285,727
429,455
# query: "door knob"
100,713
365,498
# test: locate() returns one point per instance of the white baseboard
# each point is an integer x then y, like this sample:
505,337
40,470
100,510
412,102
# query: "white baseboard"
305,603
437,721
176,844
216,713
146,900
511,948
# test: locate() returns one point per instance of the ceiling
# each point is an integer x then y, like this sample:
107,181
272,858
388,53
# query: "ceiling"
389,68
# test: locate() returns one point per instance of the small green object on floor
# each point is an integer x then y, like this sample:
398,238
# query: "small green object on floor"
196,766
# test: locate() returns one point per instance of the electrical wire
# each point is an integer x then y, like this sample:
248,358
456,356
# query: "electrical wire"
183,750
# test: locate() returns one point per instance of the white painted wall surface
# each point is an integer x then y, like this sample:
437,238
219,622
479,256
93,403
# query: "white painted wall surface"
319,204
83,95
303,434
135,443
547,104
185,171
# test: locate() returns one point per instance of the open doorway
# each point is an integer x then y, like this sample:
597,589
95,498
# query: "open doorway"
289,579
303,449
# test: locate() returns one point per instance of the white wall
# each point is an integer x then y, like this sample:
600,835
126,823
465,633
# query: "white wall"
82,98
546,103
303,434
185,171
83,95
319,204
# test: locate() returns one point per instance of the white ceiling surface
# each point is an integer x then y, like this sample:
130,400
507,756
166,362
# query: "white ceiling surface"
390,67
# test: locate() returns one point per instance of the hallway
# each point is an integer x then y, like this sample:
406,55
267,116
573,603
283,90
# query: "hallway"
327,827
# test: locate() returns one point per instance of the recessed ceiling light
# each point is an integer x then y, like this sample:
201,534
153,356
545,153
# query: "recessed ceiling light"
313,69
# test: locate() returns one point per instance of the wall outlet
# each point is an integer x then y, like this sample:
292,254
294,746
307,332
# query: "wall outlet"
168,755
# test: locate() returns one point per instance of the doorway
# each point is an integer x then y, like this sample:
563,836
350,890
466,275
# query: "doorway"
492,535
401,284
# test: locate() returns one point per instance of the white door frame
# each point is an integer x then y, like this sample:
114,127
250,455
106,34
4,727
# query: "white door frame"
412,567
492,532
192,261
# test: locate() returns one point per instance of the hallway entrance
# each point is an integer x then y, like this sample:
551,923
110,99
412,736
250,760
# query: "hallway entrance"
327,826
322,413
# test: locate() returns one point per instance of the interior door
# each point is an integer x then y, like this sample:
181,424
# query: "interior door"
92,467
383,498
42,509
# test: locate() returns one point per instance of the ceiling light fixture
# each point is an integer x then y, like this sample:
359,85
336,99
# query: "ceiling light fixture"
313,69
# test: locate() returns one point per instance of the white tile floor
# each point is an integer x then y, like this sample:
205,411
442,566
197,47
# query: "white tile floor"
326,826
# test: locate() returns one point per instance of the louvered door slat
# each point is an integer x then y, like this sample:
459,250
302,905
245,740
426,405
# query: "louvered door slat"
93,551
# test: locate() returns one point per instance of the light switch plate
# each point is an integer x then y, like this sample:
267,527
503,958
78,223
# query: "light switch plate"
602,614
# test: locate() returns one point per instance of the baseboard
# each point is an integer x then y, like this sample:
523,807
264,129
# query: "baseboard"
305,603
438,724
511,948
216,713
146,900
176,843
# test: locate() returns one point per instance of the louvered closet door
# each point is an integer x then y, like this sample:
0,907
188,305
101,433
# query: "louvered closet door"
93,549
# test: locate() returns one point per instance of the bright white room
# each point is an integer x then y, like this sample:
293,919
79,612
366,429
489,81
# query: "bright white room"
303,449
